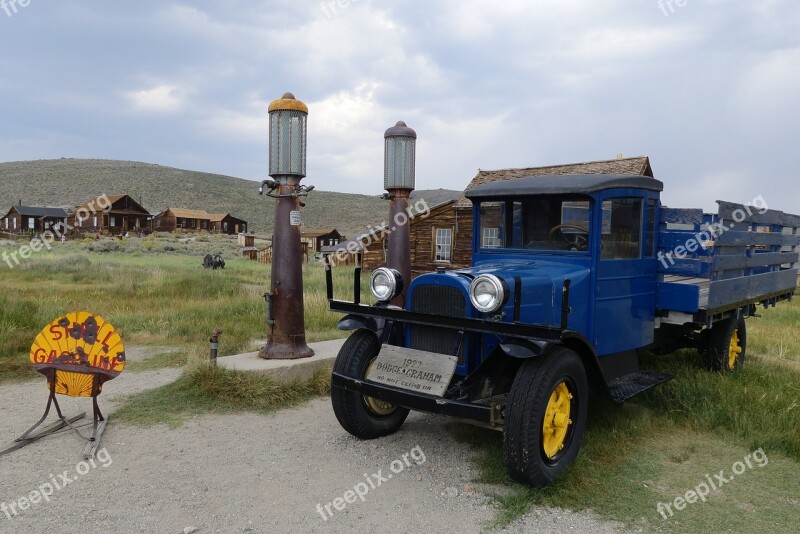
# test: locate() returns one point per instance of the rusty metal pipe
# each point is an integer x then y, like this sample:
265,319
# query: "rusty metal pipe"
399,253
214,341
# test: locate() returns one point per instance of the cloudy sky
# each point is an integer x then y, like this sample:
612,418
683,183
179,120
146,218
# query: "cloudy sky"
709,89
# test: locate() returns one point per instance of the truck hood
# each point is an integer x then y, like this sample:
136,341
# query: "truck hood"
542,283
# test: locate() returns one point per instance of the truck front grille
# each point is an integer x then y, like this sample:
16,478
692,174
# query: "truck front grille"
438,300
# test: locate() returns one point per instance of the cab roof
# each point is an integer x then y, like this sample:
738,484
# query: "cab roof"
563,184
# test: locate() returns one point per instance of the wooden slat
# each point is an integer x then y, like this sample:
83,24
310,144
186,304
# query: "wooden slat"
735,238
737,261
681,216
724,292
750,213
689,267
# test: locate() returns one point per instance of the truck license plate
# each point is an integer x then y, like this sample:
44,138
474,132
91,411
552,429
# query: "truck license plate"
414,370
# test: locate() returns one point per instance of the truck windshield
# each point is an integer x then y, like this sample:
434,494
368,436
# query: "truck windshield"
538,223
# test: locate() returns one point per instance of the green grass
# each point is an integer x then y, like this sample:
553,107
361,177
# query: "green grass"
206,389
663,443
158,300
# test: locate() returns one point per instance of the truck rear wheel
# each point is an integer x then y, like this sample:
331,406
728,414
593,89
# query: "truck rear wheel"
545,417
362,416
728,345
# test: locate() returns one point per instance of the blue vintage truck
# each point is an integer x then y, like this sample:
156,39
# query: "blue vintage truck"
578,274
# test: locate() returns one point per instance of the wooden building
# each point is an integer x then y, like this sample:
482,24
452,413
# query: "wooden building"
184,220
180,219
316,238
443,238
123,215
225,223
248,244
32,219
437,240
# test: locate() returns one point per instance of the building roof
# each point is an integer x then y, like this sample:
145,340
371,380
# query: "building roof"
638,166
132,207
218,217
308,231
188,214
344,248
38,211
561,184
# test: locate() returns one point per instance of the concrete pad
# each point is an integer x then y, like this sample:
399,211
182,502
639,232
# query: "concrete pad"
286,371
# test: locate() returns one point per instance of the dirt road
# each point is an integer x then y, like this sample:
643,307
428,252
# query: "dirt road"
292,471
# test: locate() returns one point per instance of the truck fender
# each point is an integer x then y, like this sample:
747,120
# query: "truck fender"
354,322
594,373
524,348
387,331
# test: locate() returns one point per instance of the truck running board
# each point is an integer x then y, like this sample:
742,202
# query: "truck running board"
627,386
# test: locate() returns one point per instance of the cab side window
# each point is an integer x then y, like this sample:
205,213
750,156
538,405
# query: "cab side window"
621,236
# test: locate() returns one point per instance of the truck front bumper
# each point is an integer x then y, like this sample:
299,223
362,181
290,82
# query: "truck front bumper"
416,401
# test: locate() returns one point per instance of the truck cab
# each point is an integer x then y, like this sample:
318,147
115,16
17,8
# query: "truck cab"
566,285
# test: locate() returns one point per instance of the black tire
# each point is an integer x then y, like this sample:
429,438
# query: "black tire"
728,345
354,410
523,431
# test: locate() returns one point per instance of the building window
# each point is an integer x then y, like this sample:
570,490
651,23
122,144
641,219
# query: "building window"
113,221
6,223
490,238
94,221
31,223
444,244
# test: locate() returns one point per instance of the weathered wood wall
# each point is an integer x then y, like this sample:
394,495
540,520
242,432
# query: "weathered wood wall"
166,222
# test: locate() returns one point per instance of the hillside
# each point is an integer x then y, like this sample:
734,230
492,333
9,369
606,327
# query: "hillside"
69,182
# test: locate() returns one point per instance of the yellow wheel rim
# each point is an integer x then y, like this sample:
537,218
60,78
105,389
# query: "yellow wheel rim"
377,406
556,420
734,350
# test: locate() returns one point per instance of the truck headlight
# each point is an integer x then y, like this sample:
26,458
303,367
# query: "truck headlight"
385,283
487,293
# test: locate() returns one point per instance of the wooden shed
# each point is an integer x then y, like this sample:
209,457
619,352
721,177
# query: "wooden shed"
437,239
317,238
225,223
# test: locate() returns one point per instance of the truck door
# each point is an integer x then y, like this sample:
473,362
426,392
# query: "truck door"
625,295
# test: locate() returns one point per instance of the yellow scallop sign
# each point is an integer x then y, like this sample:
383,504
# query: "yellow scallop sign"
75,348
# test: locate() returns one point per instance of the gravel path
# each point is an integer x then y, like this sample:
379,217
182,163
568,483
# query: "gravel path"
248,473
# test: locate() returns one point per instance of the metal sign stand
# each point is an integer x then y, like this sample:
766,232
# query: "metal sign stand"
98,421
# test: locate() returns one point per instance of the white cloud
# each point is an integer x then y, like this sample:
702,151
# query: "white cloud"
514,83
161,98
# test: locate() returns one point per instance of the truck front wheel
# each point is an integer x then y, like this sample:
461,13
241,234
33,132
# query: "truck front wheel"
728,344
364,417
545,417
